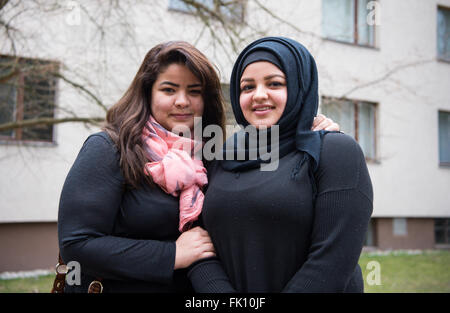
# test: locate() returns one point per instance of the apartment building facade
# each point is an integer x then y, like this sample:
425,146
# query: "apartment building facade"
384,75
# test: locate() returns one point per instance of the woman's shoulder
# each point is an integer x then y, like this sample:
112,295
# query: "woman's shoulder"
340,147
341,161
338,138
100,137
99,146
100,141
97,158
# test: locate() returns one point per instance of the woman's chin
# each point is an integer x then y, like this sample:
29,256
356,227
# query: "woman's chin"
262,124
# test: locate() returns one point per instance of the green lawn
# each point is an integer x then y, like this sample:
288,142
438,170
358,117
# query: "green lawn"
398,272
38,284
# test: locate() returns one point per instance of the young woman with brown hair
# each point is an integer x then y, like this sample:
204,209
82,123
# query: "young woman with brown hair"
114,219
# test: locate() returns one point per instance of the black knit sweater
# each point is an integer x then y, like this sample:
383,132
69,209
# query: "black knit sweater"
126,237
272,236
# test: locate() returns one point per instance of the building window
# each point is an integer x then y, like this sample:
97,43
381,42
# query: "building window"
231,10
348,21
27,91
443,33
399,227
357,119
444,138
442,230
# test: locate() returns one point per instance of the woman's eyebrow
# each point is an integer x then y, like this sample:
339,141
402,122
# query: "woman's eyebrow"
169,83
245,79
166,82
274,75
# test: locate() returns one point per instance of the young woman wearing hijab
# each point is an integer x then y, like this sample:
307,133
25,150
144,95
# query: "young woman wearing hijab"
301,227
129,202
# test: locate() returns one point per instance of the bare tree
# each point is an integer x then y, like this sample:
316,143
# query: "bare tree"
28,86
34,82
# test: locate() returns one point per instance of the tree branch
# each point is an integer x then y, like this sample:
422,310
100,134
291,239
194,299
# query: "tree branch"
82,88
49,121
3,3
204,12
385,76
276,17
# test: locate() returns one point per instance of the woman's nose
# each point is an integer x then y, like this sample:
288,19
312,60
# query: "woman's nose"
182,100
260,94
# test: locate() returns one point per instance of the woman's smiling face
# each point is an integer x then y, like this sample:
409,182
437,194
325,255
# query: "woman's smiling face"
263,93
177,97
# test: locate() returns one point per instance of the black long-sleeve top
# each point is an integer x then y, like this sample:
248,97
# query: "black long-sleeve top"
126,237
269,234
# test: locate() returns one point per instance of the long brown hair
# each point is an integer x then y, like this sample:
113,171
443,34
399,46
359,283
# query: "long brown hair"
126,119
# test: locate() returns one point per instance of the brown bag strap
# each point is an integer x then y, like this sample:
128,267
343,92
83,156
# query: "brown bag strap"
60,279
59,283
95,286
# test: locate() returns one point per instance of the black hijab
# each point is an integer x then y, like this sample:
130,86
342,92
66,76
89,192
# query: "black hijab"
295,124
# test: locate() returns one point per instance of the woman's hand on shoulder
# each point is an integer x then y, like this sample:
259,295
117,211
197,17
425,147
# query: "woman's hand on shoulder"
191,246
321,122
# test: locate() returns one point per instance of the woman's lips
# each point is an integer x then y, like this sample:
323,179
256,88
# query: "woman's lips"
181,116
262,110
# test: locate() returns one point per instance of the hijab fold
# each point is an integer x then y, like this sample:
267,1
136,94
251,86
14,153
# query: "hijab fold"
295,124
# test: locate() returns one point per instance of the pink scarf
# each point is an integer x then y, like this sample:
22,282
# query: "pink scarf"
175,170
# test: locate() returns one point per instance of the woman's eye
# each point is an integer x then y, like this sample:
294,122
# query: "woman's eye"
168,90
246,87
196,92
276,84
